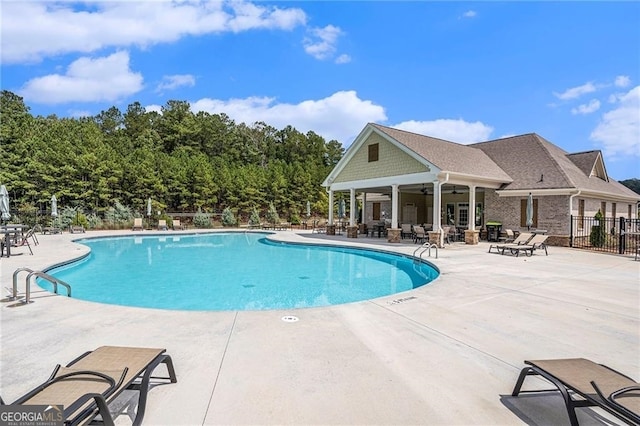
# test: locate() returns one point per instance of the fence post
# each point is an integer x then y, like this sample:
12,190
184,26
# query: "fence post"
622,237
571,231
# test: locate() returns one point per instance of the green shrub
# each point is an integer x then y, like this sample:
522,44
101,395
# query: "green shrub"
202,220
255,217
228,218
272,214
598,234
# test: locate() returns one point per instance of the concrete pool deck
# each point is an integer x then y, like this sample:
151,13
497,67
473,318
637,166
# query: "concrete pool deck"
447,353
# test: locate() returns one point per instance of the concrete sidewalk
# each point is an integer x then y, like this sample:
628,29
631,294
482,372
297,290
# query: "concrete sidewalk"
445,354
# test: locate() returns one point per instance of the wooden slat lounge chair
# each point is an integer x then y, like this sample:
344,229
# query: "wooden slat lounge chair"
523,238
575,379
88,384
537,242
137,224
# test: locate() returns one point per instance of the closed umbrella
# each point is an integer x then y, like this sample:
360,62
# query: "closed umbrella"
4,204
308,208
54,206
529,211
341,208
149,207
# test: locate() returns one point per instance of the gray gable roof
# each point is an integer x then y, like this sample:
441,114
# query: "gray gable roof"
535,163
448,156
585,160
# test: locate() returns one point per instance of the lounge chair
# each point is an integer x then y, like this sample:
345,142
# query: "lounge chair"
509,238
537,242
176,224
76,229
523,238
162,225
88,384
137,224
575,379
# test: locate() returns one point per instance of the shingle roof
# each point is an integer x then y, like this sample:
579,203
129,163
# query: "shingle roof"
585,160
448,156
535,163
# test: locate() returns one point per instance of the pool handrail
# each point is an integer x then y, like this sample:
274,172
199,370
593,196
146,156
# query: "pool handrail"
53,280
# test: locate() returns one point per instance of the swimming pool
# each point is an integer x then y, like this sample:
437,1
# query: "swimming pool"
234,271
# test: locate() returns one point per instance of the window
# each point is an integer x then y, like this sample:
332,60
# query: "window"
376,211
523,213
581,214
373,152
629,212
463,214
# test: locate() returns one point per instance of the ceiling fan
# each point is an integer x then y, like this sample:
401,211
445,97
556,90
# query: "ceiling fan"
424,190
454,190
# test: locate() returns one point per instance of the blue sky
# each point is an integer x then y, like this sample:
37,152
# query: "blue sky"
461,71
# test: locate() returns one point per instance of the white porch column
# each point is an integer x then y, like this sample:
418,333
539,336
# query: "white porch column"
364,207
472,207
394,206
330,207
437,205
353,207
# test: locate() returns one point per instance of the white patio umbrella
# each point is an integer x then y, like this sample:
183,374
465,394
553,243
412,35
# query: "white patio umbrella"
149,207
4,203
54,206
529,211
308,208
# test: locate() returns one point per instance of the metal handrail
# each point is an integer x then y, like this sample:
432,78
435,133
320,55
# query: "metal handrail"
14,296
424,247
53,280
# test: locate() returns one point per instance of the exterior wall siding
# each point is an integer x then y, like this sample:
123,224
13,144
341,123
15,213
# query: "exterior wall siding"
391,162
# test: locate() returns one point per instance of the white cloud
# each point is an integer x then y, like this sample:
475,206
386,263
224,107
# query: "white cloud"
576,92
339,116
459,131
86,80
622,81
592,106
171,82
343,59
32,30
619,129
321,43
153,108
469,14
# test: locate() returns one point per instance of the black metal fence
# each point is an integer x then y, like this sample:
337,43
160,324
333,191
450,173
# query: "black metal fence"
612,235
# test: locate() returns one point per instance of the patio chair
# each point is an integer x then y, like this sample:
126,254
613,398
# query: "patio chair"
89,383
419,234
405,230
162,225
77,229
137,224
537,242
176,224
23,240
584,383
523,238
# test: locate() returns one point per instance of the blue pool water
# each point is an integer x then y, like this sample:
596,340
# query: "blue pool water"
234,271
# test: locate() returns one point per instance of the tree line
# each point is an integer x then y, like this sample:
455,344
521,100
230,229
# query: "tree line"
183,161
